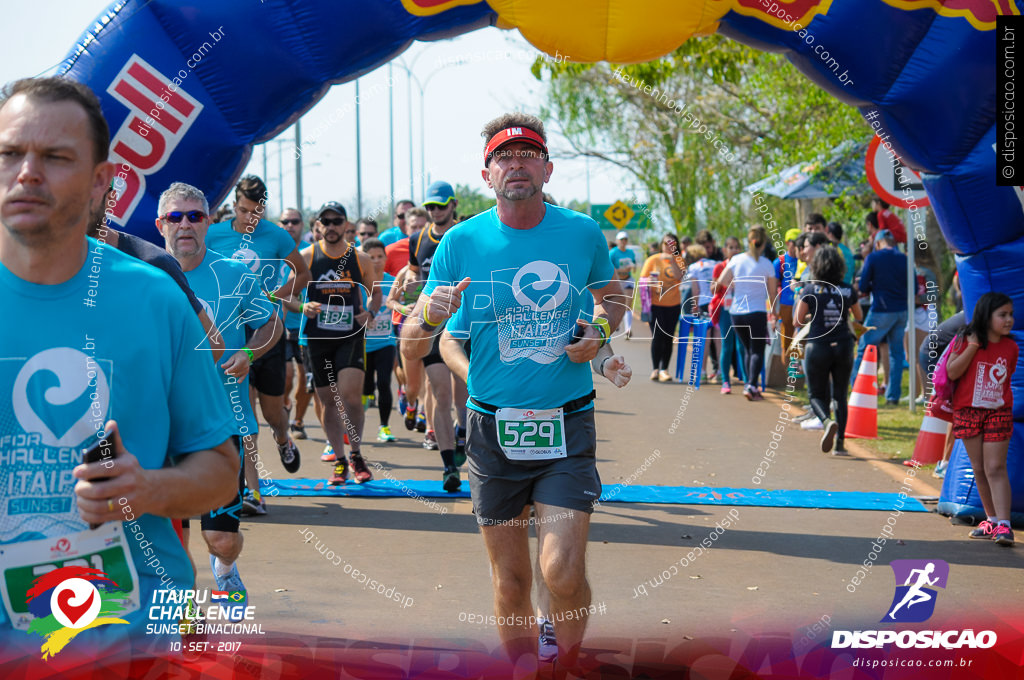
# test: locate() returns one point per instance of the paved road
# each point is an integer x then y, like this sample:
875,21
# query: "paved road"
775,569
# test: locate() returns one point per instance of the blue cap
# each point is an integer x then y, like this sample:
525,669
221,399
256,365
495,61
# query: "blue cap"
439,193
884,234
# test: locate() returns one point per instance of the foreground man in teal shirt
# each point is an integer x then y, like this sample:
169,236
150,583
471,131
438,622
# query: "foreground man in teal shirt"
514,280
99,346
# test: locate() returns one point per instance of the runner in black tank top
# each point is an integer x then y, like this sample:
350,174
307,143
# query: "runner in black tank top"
334,329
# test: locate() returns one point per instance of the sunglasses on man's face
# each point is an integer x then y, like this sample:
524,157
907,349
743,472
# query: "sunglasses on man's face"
193,216
290,222
332,221
366,234
400,216
434,206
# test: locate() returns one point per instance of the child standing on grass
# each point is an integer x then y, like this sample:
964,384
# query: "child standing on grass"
983,359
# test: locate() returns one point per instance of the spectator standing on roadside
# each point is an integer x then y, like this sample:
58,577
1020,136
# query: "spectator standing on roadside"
666,279
884,275
834,232
755,288
731,356
624,261
399,228
785,271
887,219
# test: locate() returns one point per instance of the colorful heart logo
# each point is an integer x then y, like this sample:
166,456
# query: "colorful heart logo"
73,612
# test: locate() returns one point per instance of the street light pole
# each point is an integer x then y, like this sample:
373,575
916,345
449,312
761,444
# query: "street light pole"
359,166
391,143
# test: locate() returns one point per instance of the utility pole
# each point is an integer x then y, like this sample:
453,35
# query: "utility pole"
359,166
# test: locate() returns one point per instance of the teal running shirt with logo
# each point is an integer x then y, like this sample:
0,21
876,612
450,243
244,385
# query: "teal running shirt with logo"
521,307
263,251
116,341
232,298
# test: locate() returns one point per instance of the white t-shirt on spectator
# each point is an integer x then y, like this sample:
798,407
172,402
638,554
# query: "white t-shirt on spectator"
750,283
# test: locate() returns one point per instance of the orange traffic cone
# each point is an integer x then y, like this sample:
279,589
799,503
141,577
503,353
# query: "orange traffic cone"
862,422
931,441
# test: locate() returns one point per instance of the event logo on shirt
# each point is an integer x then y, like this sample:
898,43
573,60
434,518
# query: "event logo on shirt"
988,384
69,600
61,393
247,257
532,306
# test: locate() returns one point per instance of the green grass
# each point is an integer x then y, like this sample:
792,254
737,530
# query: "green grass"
897,431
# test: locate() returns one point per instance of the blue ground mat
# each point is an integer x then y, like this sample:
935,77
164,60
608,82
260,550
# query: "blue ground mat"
618,493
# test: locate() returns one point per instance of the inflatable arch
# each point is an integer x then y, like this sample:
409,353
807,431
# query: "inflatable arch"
911,66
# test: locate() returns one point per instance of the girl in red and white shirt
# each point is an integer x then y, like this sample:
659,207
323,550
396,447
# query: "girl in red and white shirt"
983,359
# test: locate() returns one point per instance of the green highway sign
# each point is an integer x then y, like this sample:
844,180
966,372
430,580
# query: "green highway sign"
618,215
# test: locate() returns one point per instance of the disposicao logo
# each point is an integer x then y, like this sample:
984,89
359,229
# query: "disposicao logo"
69,600
914,602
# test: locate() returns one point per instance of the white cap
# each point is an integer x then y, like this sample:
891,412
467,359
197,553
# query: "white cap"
621,235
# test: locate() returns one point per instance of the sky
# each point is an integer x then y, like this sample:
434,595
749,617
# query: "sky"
467,81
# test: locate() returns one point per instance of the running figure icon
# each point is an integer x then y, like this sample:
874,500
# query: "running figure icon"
916,594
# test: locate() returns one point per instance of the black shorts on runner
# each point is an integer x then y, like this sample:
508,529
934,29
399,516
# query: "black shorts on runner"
291,347
224,518
328,357
267,373
500,489
434,355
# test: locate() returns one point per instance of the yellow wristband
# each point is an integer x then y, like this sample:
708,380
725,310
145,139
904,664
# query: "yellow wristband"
605,328
428,321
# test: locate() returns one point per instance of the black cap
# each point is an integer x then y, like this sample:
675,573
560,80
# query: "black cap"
334,206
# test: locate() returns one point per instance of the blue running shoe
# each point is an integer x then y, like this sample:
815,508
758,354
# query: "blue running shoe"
403,403
232,584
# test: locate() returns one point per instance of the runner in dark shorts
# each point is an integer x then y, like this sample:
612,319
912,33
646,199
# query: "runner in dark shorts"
335,332
534,263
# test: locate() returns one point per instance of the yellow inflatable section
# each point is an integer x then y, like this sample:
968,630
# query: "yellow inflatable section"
631,31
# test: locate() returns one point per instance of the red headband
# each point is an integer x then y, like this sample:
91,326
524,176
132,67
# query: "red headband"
514,134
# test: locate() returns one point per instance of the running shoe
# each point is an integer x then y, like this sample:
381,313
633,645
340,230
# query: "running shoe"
712,376
663,376
340,475
984,530
430,441
328,454
757,394
421,422
654,374
232,583
1003,535
726,388
460,446
366,402
748,392
940,469
840,448
812,424
403,403
806,416
410,417
289,453
548,647
828,437
384,434
252,506
452,481
360,473
298,430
